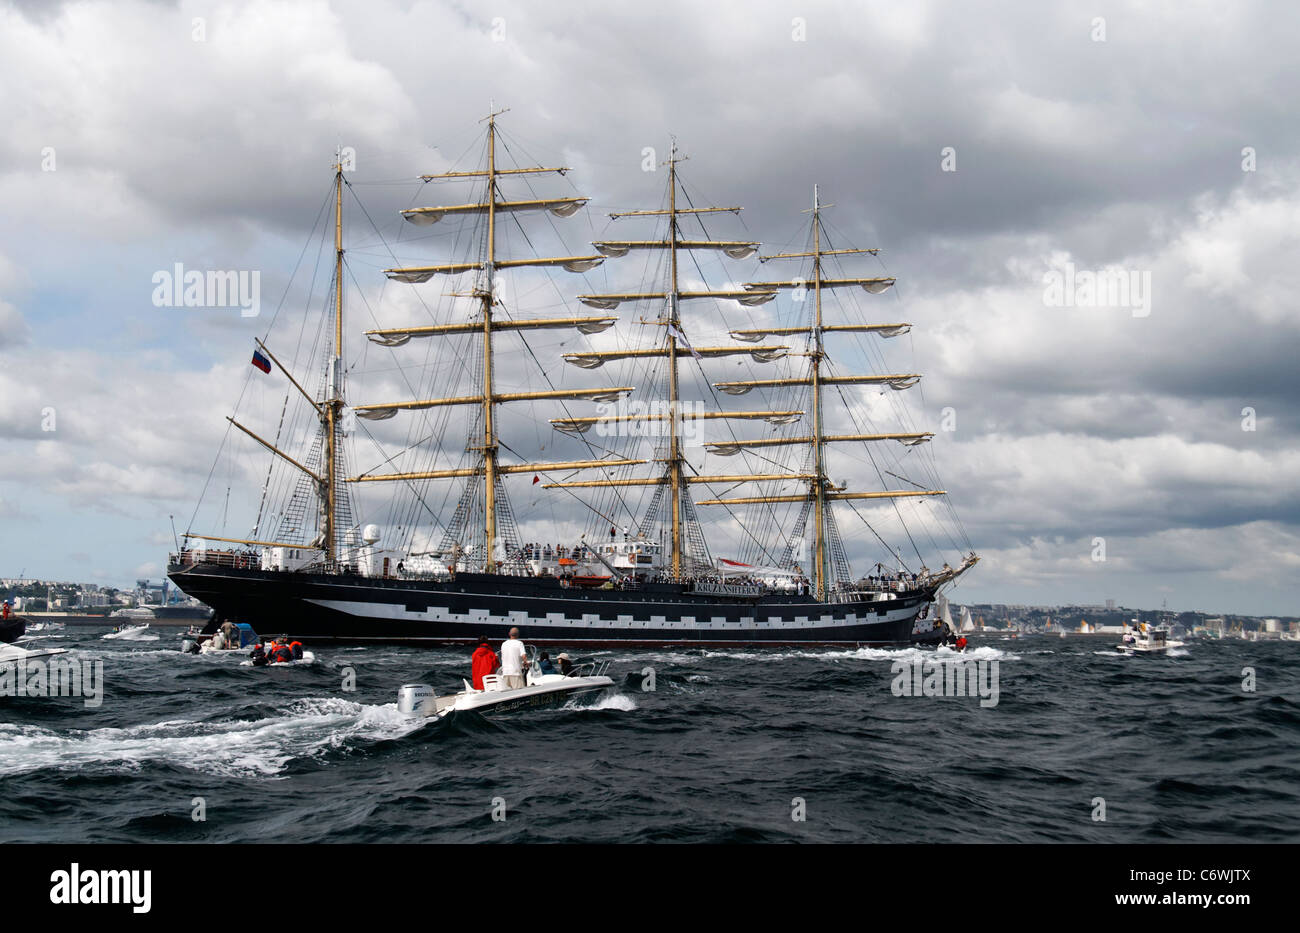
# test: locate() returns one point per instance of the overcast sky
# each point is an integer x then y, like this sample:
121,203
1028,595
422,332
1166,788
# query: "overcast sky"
984,148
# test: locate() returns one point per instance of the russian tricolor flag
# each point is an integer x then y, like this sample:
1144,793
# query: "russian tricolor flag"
261,362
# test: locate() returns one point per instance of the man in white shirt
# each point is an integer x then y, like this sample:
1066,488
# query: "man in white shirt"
513,661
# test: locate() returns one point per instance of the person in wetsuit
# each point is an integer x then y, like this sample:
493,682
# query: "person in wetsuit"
258,655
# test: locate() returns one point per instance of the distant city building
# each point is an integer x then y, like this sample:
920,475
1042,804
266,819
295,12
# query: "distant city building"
1110,604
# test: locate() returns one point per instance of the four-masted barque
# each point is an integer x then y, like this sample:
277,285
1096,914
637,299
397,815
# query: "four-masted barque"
642,573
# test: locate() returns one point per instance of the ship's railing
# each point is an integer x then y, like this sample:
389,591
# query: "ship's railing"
238,560
873,592
249,560
858,596
891,584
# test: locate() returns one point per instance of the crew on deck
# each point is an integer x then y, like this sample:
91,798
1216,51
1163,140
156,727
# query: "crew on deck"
483,662
513,661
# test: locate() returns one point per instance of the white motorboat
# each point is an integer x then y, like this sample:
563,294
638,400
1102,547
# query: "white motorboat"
129,631
13,653
420,700
1145,639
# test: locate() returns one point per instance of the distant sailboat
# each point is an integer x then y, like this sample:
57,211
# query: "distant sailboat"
967,624
945,611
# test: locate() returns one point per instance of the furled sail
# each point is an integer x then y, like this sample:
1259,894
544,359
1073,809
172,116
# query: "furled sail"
610,302
735,249
397,336
893,380
419,274
596,359
873,285
754,335
560,207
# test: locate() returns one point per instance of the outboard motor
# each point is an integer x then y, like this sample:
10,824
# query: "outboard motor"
416,700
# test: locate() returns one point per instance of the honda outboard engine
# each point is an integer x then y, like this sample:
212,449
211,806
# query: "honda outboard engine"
416,700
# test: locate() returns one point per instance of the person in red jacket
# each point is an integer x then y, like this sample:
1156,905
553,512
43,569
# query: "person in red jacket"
961,643
484,662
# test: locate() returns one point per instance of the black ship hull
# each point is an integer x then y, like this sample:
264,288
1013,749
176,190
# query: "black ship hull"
177,614
350,608
12,628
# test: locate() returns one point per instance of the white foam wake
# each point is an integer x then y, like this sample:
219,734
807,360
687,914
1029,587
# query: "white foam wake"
234,748
618,701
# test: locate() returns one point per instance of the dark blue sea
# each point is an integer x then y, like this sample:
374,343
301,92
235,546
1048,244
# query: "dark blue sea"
729,746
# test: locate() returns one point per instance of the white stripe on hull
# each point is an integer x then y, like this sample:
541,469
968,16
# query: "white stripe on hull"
537,624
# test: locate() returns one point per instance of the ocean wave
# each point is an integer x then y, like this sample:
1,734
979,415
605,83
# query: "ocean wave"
230,748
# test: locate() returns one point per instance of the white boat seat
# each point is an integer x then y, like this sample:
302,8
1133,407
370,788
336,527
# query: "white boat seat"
492,683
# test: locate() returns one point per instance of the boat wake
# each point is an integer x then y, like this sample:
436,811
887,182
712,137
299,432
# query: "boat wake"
307,728
307,660
616,701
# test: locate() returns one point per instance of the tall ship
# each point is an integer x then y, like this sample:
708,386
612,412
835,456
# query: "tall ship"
619,544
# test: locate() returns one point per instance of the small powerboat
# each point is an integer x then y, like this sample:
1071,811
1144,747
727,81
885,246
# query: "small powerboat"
1144,639
10,654
129,631
227,638
539,690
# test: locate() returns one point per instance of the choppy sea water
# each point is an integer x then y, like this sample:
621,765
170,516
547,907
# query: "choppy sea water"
729,746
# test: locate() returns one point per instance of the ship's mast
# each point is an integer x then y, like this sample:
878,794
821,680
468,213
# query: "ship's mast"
674,398
487,398
821,493
334,382
329,412
672,350
821,567
488,297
